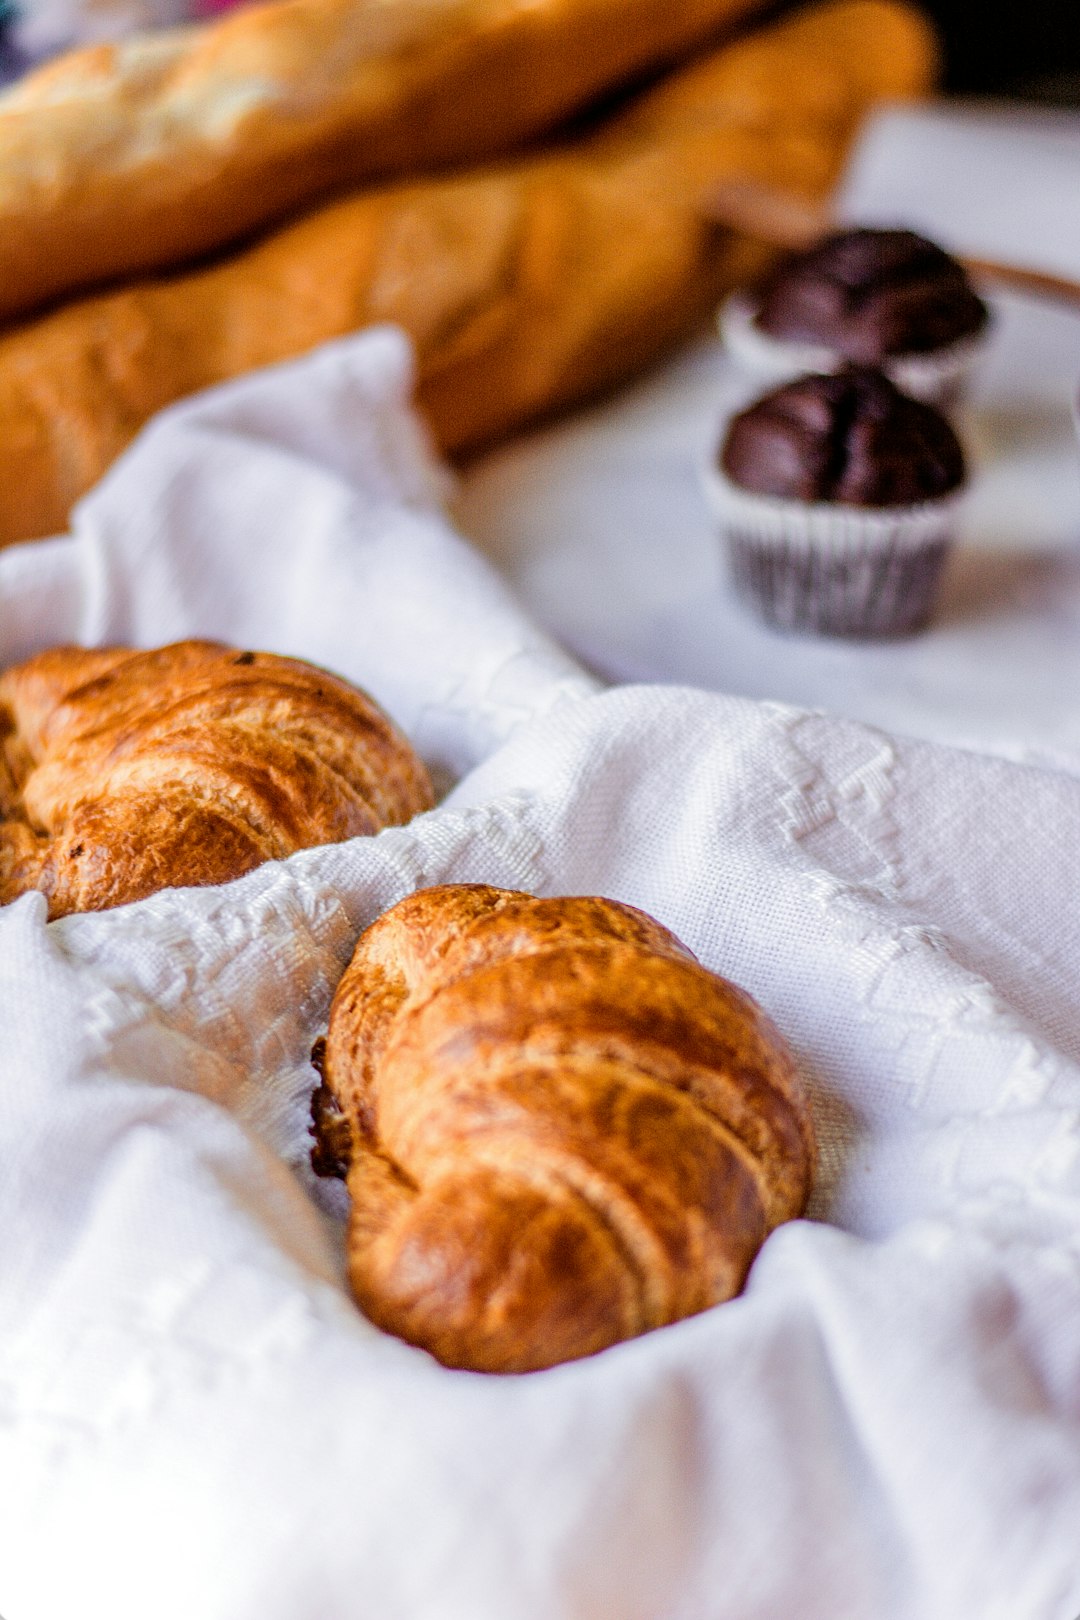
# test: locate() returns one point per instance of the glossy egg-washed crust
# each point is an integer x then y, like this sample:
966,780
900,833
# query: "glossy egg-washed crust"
124,772
558,1129
128,157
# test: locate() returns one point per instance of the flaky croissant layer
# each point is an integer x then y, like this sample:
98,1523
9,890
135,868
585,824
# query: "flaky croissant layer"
558,1129
124,772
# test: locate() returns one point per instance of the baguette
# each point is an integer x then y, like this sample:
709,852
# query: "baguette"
525,287
558,1129
121,159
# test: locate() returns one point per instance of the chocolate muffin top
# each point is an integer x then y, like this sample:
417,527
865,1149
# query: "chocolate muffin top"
871,293
852,438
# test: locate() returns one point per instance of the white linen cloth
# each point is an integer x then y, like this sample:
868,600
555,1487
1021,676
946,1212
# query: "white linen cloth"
194,1419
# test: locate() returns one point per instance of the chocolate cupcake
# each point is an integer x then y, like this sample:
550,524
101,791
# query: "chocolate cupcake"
836,495
886,298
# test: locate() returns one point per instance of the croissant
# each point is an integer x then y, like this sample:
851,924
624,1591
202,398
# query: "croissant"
558,1129
525,287
124,772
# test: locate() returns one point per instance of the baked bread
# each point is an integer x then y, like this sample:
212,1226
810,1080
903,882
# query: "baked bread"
125,772
120,159
558,1129
525,287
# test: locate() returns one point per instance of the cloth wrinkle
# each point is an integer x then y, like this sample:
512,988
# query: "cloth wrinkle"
885,1426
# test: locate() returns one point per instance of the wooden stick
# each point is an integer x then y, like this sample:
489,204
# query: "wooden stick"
1018,277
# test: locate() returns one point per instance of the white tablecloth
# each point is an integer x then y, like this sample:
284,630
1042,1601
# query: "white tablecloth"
601,525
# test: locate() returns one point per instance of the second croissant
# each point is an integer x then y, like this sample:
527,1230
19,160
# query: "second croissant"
558,1129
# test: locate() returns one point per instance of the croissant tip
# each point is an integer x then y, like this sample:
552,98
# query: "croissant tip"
332,1153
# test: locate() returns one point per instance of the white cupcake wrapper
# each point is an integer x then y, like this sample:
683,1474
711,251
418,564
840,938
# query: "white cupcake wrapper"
830,569
938,378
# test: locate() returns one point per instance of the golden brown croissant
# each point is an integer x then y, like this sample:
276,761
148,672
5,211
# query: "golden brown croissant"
120,159
559,1129
125,772
524,287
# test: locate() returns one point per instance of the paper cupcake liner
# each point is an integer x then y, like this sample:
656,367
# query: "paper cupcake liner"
938,378
833,570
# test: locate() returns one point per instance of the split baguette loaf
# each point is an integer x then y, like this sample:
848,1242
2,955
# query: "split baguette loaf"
121,159
558,1129
126,772
524,287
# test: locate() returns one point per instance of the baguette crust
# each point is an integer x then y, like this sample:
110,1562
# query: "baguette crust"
121,159
125,772
562,1131
525,287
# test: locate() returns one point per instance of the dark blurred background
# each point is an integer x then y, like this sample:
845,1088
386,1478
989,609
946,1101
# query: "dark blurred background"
1034,52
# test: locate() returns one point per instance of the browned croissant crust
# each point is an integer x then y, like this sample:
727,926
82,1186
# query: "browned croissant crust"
525,287
560,1130
125,772
121,159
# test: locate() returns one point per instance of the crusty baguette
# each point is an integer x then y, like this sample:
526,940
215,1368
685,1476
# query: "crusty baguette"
120,159
558,1129
125,772
524,287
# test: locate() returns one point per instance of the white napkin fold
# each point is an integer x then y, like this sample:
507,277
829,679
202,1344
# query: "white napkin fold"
297,509
195,1420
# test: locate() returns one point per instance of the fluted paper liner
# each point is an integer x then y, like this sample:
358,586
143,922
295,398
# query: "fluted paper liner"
938,378
831,569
